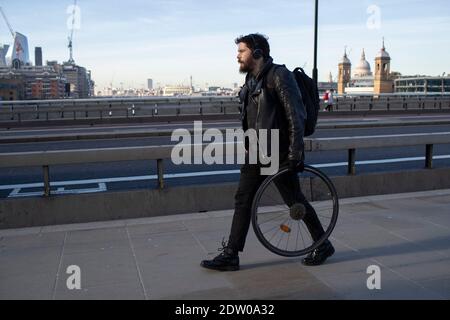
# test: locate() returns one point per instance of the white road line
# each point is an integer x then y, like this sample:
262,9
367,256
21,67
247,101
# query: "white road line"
197,174
16,192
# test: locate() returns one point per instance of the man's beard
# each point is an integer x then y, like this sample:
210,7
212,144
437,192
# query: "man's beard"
244,68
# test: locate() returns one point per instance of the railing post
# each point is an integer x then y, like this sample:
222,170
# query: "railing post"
46,181
160,169
351,169
429,156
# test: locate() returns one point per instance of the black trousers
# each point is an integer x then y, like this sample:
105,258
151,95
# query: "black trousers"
289,187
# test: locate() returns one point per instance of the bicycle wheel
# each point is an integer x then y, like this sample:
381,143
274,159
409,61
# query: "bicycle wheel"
281,204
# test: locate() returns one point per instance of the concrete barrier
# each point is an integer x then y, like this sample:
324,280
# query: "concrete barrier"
51,110
40,211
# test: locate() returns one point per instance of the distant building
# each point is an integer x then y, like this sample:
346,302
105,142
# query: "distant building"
31,83
38,56
383,82
150,84
18,54
363,81
12,87
80,84
3,51
176,90
53,81
19,79
214,89
423,84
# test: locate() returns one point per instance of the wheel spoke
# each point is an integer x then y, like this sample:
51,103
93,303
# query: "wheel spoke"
299,227
282,234
289,236
279,215
274,227
307,231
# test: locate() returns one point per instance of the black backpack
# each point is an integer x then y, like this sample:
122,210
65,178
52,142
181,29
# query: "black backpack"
310,96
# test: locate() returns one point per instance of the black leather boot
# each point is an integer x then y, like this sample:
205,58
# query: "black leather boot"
228,260
319,255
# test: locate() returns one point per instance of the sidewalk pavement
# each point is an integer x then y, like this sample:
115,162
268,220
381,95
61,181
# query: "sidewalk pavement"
406,235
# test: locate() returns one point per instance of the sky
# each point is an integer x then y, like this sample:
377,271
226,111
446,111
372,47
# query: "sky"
127,42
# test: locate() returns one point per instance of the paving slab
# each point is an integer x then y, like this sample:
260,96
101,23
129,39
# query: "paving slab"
406,235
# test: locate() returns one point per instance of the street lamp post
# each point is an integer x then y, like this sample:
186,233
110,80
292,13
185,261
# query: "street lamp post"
315,41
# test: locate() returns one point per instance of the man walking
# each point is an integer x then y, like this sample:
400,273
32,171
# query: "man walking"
272,101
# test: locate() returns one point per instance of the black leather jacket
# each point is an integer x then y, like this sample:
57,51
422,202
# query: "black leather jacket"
280,106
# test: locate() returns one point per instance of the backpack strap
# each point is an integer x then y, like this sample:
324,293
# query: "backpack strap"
269,82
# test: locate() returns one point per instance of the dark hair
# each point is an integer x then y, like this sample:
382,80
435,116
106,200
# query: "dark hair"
256,41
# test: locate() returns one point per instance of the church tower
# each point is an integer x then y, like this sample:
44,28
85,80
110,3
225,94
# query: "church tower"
382,79
344,73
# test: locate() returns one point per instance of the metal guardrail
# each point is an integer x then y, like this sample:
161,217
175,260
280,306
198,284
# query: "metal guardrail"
391,102
159,153
47,110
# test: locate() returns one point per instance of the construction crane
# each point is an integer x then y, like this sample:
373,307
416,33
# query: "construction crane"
7,22
71,33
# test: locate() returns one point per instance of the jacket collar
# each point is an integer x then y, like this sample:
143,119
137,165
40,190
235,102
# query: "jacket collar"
265,68
267,65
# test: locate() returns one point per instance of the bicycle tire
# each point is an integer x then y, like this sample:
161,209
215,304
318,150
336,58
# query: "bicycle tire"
316,174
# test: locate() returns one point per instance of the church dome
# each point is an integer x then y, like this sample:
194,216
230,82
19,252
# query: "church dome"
363,67
383,53
345,59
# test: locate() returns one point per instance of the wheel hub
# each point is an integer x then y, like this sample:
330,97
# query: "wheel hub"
297,211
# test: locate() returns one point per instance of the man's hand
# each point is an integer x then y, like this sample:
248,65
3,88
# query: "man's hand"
296,165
